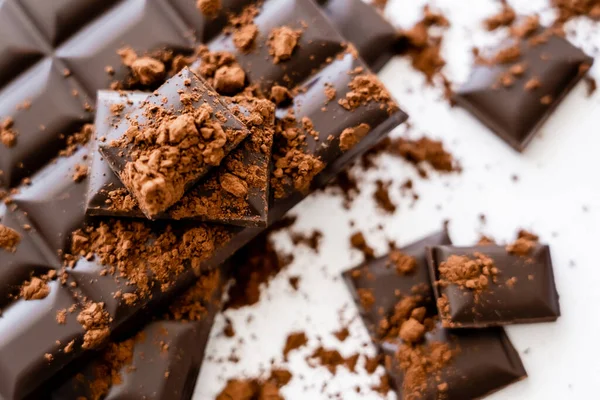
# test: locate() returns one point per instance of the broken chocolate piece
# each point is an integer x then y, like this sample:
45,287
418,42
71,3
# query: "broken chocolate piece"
177,135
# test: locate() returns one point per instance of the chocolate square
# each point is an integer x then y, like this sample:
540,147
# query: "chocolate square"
514,106
154,189
521,290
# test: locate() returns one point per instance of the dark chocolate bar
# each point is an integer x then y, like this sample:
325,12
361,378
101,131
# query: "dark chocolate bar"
365,27
499,288
479,362
88,57
515,94
181,131
207,201
161,361
424,360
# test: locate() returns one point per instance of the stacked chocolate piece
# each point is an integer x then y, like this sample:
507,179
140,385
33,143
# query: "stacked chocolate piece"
210,124
436,312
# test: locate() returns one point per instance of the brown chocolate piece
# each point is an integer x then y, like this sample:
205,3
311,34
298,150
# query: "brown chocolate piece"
208,200
493,285
169,145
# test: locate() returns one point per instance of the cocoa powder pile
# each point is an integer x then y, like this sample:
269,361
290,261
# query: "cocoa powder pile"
256,389
210,8
9,239
282,42
473,273
424,151
422,47
8,135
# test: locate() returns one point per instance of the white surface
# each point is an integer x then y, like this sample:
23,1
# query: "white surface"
558,182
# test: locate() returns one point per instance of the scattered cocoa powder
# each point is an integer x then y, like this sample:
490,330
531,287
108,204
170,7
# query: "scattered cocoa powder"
382,196
282,42
421,47
80,172
312,241
524,244
568,9
350,137
366,88
424,151
8,135
254,265
358,241
9,239
280,94
77,140
332,359
473,273
256,389
366,298
505,17
95,321
293,342
61,316
342,334
35,289
210,8
403,263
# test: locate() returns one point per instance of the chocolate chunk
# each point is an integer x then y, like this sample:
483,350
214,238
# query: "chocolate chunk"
533,95
492,285
423,359
206,201
168,146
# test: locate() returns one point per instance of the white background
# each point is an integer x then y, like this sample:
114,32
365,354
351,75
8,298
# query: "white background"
557,196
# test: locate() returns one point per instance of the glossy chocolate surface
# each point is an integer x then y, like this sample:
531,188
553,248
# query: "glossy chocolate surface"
515,113
532,297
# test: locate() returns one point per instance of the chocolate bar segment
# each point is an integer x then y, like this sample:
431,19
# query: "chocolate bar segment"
311,42
381,281
479,362
488,286
33,340
20,47
59,19
142,25
208,200
162,361
54,201
423,359
365,27
515,94
37,112
177,135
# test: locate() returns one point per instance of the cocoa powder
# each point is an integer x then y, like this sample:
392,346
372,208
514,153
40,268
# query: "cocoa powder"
9,239
8,135
282,42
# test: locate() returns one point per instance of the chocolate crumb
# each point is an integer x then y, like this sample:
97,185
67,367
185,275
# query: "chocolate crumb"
282,42
9,239
210,8
35,289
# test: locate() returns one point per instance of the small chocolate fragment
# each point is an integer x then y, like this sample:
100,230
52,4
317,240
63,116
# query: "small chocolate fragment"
493,285
168,146
516,111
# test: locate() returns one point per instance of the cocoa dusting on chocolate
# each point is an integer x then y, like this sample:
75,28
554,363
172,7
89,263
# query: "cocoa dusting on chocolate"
366,88
9,239
423,363
472,273
119,245
358,242
293,342
77,140
505,17
221,70
524,244
332,359
366,298
254,265
95,321
244,30
80,172
330,92
424,151
403,263
35,289
61,317
280,94
108,372
256,389
382,196
282,43
191,306
209,8
145,70
8,135
350,137
171,150
422,47
568,9
408,320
